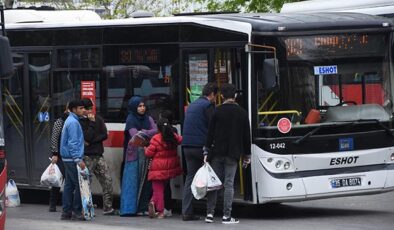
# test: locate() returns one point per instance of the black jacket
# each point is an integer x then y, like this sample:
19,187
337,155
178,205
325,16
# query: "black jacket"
94,134
229,132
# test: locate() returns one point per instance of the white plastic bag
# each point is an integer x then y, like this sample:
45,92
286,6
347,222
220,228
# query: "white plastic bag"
214,182
200,183
52,176
12,194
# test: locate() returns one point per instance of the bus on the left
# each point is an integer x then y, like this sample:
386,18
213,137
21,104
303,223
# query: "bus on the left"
6,70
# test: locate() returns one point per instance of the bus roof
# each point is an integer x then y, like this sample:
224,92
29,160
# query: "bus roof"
42,16
374,7
274,22
217,23
240,22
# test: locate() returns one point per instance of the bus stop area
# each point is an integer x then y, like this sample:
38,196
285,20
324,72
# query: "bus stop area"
360,212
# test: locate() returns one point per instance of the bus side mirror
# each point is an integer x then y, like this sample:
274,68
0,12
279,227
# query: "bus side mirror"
6,66
270,73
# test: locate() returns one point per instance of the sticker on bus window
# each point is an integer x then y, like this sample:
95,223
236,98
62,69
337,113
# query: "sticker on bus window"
325,70
284,125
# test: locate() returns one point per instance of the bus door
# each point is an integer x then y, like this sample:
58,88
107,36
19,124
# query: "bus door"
27,115
219,65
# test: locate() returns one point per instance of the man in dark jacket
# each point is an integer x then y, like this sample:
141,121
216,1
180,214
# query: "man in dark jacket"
195,128
95,132
228,139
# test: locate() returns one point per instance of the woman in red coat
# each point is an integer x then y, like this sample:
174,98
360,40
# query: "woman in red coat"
164,166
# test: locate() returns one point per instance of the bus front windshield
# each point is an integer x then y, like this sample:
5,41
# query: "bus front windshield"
323,74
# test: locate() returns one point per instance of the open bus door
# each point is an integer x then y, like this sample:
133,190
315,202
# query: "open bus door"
219,65
6,70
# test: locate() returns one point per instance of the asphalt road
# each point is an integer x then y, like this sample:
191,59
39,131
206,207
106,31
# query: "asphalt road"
362,212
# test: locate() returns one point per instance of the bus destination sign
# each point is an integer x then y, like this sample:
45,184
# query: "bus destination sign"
139,55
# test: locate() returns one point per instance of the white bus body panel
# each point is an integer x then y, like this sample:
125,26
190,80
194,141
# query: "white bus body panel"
271,183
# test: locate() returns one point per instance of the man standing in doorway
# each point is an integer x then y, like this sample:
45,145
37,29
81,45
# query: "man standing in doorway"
71,150
95,132
195,128
228,139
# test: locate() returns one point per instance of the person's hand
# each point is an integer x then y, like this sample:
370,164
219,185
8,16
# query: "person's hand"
54,159
91,117
82,165
246,161
86,143
205,158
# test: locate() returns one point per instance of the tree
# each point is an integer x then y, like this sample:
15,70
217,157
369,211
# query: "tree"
245,5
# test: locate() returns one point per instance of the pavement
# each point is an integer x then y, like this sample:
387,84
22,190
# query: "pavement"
374,212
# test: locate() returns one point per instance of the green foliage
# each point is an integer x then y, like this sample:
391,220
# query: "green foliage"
244,5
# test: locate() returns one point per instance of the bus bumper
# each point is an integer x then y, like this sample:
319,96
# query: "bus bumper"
320,187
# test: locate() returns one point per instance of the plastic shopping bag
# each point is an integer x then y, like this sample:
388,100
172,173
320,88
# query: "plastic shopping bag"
12,194
214,182
200,183
52,176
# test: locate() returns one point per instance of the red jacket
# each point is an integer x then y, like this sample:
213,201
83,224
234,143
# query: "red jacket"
165,162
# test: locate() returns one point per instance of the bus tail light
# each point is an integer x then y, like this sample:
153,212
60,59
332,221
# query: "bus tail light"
2,154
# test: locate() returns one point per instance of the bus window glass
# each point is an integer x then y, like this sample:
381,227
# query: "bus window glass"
149,72
78,58
67,86
318,72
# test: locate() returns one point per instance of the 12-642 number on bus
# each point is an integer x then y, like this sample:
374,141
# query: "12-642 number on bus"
278,145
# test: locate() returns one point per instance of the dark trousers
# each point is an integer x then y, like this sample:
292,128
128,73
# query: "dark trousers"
71,194
168,201
54,192
194,160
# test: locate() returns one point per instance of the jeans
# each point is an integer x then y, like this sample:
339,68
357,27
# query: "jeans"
225,168
71,194
194,160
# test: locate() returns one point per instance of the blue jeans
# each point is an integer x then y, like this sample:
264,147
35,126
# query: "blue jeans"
71,194
225,168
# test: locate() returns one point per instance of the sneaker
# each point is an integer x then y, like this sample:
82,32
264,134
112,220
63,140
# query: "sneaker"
111,212
229,220
77,217
160,215
209,218
65,216
151,209
142,213
167,213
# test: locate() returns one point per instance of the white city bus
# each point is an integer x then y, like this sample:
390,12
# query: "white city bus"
374,7
336,65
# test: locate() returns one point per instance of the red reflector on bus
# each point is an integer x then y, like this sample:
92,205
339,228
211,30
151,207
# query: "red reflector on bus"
2,154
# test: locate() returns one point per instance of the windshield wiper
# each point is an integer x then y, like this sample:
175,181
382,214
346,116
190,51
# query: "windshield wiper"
313,131
381,125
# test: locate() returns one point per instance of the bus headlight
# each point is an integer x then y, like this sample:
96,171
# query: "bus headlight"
278,164
286,166
392,157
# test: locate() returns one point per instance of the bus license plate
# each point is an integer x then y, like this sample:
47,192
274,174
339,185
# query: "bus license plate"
346,182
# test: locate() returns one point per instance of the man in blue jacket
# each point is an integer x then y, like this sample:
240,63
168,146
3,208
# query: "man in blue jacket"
195,129
72,152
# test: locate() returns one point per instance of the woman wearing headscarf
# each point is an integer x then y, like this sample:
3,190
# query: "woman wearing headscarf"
134,157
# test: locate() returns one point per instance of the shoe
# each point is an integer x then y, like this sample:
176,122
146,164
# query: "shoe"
190,217
65,216
151,210
52,208
77,217
167,213
160,215
142,213
111,212
229,220
209,218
